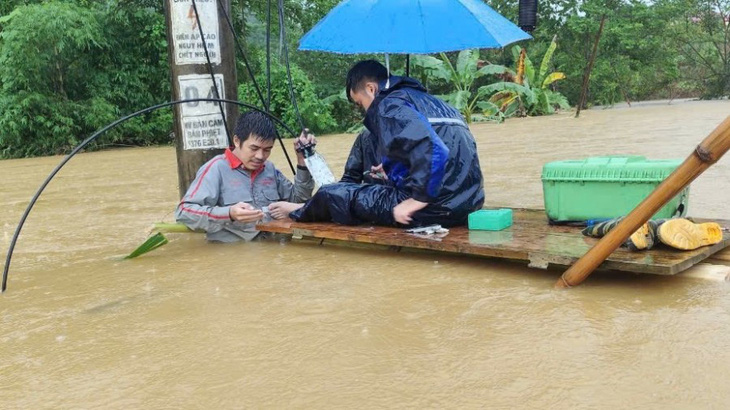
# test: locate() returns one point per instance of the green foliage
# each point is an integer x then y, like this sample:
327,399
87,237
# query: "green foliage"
462,78
67,71
702,33
314,111
521,91
641,54
636,59
135,74
152,243
347,115
525,90
43,105
68,67
327,70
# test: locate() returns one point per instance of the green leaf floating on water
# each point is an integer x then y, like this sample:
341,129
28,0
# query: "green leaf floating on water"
152,243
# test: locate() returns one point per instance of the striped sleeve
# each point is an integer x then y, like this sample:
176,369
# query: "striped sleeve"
199,208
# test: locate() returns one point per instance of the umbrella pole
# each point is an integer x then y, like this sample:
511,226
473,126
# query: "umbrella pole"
408,65
707,153
387,68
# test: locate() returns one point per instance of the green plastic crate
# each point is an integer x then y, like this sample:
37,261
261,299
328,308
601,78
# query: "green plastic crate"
606,187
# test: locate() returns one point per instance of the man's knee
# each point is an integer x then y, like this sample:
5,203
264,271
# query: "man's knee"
375,203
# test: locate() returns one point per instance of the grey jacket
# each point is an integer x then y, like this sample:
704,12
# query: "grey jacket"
223,182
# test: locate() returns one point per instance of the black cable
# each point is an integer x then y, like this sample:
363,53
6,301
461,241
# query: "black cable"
268,56
85,142
243,53
286,62
258,91
217,93
212,75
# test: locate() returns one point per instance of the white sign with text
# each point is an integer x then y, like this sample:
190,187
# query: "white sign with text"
201,121
188,47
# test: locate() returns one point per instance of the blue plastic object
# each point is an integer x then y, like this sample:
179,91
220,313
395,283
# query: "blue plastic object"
490,219
410,27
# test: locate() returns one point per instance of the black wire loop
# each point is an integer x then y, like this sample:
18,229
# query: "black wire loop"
93,137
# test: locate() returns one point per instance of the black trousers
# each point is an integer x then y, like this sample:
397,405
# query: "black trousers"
355,204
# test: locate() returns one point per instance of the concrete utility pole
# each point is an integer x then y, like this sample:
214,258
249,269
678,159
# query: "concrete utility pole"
200,129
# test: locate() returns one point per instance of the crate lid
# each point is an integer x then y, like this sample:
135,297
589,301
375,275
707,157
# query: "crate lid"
633,168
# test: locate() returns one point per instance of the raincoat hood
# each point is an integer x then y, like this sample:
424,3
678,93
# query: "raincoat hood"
396,83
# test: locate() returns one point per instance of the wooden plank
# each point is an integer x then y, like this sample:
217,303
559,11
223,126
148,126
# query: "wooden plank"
530,239
723,255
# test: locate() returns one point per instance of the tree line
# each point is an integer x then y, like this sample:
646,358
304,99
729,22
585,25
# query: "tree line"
69,67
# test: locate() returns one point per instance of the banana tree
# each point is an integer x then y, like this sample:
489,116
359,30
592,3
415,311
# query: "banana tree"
462,77
525,90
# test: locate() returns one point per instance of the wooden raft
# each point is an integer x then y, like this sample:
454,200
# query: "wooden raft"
530,239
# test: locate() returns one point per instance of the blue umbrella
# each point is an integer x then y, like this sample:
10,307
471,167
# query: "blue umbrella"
410,27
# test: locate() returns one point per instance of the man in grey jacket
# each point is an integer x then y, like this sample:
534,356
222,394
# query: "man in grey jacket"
229,191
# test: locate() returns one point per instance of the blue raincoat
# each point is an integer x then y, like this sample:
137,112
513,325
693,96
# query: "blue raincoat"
362,157
429,155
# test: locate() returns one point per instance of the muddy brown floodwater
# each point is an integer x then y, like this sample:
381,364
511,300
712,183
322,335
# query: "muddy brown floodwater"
293,325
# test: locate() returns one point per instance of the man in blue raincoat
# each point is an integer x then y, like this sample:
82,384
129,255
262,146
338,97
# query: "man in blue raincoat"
428,157
362,158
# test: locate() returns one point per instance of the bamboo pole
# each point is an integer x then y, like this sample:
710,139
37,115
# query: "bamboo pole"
707,153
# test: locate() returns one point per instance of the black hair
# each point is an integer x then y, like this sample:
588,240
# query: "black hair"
363,71
255,123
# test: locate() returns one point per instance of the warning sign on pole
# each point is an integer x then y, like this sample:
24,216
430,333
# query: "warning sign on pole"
201,121
188,46
200,133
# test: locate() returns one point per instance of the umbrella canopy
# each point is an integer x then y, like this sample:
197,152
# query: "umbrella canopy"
410,27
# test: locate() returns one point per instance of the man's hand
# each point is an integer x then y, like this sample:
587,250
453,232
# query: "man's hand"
304,139
243,212
281,210
403,212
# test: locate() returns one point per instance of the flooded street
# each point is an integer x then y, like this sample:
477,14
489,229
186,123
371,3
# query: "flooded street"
294,325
